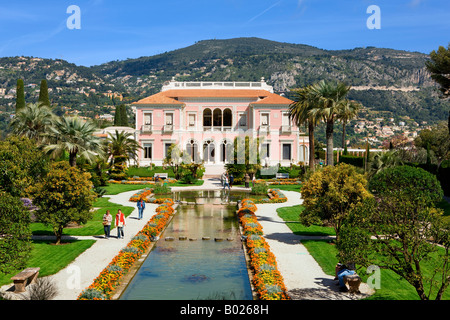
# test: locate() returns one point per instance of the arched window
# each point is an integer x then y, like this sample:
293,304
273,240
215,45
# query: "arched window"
207,118
226,151
192,149
227,118
208,151
217,118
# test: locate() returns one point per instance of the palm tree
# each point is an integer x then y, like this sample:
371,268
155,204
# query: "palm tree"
385,160
33,121
330,95
75,136
299,113
349,109
121,147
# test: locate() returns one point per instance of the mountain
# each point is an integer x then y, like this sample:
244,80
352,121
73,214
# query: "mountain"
386,80
283,64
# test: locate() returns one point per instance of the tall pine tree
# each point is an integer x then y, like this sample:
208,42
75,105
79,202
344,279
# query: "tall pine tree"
20,95
43,94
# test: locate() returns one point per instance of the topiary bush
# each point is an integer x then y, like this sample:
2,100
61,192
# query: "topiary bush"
407,182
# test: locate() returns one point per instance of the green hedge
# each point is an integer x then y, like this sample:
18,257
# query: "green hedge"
353,160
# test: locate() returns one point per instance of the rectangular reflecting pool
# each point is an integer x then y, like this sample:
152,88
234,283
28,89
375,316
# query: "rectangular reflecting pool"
187,263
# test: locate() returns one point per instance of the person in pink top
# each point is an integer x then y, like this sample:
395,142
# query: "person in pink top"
120,223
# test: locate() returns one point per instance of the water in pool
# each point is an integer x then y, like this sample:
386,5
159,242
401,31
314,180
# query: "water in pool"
195,268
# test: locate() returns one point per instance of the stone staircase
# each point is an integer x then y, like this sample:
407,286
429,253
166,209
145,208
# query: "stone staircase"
213,171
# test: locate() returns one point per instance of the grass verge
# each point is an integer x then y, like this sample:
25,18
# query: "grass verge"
51,258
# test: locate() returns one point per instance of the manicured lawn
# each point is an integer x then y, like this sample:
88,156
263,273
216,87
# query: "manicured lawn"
291,214
115,188
93,226
146,172
51,258
287,187
180,184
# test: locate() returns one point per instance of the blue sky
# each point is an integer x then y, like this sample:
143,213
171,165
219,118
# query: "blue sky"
117,30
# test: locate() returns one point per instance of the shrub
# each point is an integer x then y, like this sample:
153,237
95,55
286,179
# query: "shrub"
15,233
42,289
353,160
260,188
161,188
330,194
406,182
188,179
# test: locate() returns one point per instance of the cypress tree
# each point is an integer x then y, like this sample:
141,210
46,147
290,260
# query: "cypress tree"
43,94
123,116
117,117
20,95
366,158
428,164
391,146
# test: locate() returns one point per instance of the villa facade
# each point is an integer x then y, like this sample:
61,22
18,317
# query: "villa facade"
204,118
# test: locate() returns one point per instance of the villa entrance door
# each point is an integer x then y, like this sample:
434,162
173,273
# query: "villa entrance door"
226,152
209,155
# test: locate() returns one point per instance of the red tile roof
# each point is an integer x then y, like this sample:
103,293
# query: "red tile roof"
170,96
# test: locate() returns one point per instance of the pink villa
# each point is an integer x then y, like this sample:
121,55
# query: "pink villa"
204,118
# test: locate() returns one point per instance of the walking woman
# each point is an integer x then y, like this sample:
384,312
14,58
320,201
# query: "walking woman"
107,219
120,223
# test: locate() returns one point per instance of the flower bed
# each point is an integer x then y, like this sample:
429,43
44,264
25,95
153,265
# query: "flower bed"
267,280
287,181
142,180
109,279
276,196
141,194
161,201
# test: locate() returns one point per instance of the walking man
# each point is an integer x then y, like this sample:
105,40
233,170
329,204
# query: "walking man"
141,207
